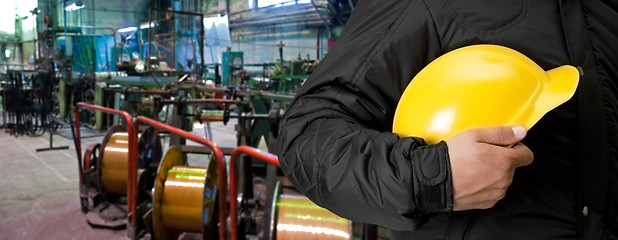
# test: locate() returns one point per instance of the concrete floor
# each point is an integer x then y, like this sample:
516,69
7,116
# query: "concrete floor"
39,192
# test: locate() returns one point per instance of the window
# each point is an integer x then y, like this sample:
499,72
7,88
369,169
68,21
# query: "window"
7,18
17,9
266,3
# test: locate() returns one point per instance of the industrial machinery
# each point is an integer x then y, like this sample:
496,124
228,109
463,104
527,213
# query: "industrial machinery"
104,175
177,178
125,168
288,214
122,163
28,102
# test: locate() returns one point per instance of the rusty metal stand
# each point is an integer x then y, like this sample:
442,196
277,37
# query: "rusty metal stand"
51,143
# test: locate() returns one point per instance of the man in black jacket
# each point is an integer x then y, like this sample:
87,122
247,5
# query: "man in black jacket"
336,145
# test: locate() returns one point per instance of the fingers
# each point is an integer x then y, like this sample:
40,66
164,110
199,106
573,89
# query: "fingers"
496,140
523,156
503,136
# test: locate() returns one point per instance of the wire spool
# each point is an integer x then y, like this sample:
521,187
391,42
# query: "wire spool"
184,198
298,218
211,115
114,164
114,160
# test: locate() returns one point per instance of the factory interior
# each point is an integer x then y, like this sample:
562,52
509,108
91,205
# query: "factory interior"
157,119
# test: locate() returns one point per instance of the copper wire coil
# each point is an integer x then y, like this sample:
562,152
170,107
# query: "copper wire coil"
181,203
298,219
184,198
115,163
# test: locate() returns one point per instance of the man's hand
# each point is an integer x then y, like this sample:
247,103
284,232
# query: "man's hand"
483,164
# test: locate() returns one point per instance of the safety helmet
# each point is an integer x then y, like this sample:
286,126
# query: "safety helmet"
480,86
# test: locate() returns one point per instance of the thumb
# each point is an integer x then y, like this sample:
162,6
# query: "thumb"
504,136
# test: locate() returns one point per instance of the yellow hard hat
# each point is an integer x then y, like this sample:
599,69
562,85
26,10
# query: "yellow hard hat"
480,86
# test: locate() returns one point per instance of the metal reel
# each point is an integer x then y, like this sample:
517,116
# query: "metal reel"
100,170
91,156
88,188
149,155
148,158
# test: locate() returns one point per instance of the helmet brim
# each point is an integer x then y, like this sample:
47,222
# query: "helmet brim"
562,84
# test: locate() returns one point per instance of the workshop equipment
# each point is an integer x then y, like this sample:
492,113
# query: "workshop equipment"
96,199
104,178
221,180
291,216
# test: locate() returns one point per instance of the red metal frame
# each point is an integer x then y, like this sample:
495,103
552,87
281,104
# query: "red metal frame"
204,101
132,175
256,153
217,153
142,91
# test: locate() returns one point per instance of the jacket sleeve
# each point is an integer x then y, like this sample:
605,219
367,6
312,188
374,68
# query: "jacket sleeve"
335,143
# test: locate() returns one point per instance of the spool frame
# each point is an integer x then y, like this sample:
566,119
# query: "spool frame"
217,156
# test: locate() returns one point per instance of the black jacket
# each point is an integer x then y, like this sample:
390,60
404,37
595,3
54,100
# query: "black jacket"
336,145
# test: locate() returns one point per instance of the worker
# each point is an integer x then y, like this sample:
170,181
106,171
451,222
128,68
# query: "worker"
558,181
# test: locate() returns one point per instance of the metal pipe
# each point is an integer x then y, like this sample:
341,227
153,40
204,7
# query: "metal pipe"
204,101
222,177
175,11
253,152
317,51
290,13
139,91
212,89
94,27
201,48
267,8
149,39
311,23
282,19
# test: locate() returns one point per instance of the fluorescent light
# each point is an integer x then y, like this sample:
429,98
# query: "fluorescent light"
73,7
127,29
145,25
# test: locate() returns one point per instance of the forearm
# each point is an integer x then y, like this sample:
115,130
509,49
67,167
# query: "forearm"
359,173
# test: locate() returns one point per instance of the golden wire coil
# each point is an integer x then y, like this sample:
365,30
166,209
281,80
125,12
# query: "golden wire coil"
181,203
298,219
115,163
215,115
184,197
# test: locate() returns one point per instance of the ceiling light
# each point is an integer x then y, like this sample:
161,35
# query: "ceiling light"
73,7
127,29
